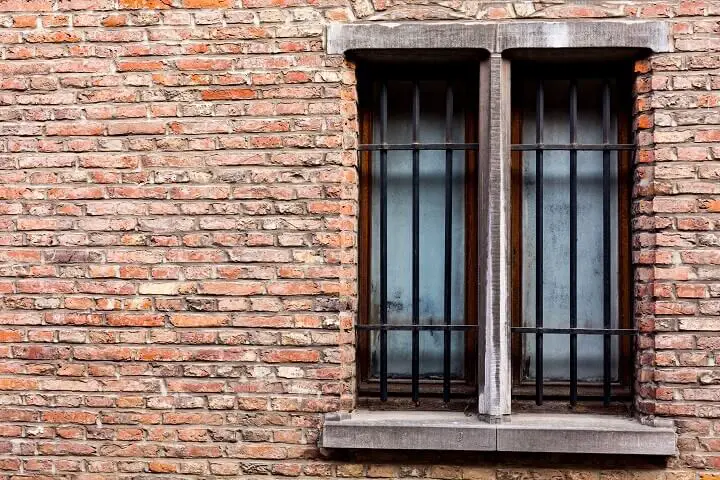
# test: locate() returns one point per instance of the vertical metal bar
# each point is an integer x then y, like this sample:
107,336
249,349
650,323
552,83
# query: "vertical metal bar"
383,244
606,242
415,245
539,127
448,241
573,244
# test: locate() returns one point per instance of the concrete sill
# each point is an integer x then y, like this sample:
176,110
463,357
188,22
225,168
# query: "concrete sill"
524,432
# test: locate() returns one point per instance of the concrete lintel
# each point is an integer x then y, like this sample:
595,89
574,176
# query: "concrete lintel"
551,433
496,37
342,37
653,35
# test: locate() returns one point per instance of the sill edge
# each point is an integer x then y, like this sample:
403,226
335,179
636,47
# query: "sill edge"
523,432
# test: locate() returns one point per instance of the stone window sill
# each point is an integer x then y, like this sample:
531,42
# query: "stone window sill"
523,432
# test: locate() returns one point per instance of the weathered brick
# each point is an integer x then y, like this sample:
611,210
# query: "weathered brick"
179,238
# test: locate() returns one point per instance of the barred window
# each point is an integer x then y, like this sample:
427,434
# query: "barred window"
571,185
418,329
418,281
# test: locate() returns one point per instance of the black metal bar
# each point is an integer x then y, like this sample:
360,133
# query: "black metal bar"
578,331
516,147
383,245
572,146
539,126
573,244
606,242
415,245
417,146
448,242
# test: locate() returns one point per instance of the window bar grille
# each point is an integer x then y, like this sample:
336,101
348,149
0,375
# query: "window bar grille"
383,243
415,325
539,126
578,147
573,245
415,244
606,242
573,331
448,241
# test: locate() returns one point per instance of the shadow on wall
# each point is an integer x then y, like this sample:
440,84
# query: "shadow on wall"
505,461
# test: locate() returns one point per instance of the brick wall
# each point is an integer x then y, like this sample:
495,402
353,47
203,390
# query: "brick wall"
177,256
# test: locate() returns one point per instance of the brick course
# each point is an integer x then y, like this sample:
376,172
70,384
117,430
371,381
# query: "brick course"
178,197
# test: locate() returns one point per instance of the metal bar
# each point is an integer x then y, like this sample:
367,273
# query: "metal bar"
606,242
421,327
415,244
573,244
516,147
448,242
417,146
572,146
383,245
578,331
539,126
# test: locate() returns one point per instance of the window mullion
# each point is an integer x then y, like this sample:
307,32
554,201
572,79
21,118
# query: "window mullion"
494,121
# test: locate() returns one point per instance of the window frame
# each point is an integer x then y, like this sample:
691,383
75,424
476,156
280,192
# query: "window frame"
621,72
501,41
497,246
416,69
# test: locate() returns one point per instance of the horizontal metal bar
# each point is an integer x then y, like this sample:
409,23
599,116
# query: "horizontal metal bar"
415,327
417,146
578,331
572,146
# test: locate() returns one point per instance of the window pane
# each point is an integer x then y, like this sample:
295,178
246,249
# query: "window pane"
555,249
432,233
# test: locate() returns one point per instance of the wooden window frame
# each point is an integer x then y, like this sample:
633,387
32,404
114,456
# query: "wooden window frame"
367,74
623,388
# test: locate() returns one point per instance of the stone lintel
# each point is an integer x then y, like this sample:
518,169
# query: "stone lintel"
497,37
526,432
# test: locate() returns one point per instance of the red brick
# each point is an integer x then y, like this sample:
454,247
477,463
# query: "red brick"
53,37
135,320
199,320
143,4
18,384
708,136
26,5
228,94
204,64
73,129
69,417
140,66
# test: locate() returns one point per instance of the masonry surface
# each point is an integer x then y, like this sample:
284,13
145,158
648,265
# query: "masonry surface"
178,200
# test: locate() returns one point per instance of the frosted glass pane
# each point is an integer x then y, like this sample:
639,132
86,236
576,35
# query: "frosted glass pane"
555,249
432,234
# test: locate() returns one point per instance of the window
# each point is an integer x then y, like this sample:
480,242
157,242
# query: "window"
418,232
548,283
571,278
